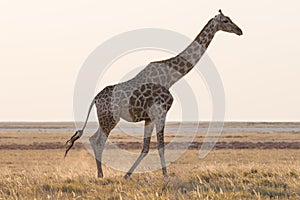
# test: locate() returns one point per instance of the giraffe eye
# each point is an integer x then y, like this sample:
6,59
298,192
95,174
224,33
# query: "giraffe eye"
226,21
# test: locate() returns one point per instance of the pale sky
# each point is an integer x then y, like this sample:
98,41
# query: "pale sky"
43,45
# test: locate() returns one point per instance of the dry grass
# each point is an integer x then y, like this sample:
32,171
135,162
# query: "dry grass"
223,174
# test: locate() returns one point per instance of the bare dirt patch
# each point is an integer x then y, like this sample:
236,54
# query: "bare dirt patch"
138,145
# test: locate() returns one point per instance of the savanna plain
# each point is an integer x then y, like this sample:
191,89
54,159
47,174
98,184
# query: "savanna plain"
242,165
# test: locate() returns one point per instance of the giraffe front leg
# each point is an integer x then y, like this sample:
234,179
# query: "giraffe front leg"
160,126
149,125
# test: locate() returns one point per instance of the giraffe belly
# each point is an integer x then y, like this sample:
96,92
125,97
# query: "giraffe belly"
126,115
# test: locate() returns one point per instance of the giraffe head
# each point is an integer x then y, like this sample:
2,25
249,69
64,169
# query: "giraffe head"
224,23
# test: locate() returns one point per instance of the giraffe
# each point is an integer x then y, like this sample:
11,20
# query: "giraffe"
146,97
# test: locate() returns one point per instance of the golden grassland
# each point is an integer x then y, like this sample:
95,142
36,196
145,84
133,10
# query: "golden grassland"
223,174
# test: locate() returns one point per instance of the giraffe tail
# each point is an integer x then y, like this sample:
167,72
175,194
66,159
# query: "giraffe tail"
78,133
71,141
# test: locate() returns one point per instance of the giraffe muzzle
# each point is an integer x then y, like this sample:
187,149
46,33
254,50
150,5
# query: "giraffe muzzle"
238,31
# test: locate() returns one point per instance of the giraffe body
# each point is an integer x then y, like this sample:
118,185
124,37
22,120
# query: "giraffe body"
146,97
135,105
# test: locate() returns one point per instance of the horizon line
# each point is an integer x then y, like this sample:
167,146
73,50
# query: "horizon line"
174,121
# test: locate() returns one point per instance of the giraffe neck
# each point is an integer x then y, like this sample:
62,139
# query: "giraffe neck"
189,57
167,72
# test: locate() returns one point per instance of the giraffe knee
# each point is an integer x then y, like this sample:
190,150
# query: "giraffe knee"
93,139
145,150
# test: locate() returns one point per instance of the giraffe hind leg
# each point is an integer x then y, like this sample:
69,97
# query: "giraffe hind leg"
98,142
107,112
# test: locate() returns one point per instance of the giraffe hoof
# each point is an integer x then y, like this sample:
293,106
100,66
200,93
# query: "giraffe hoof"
127,176
166,177
100,175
